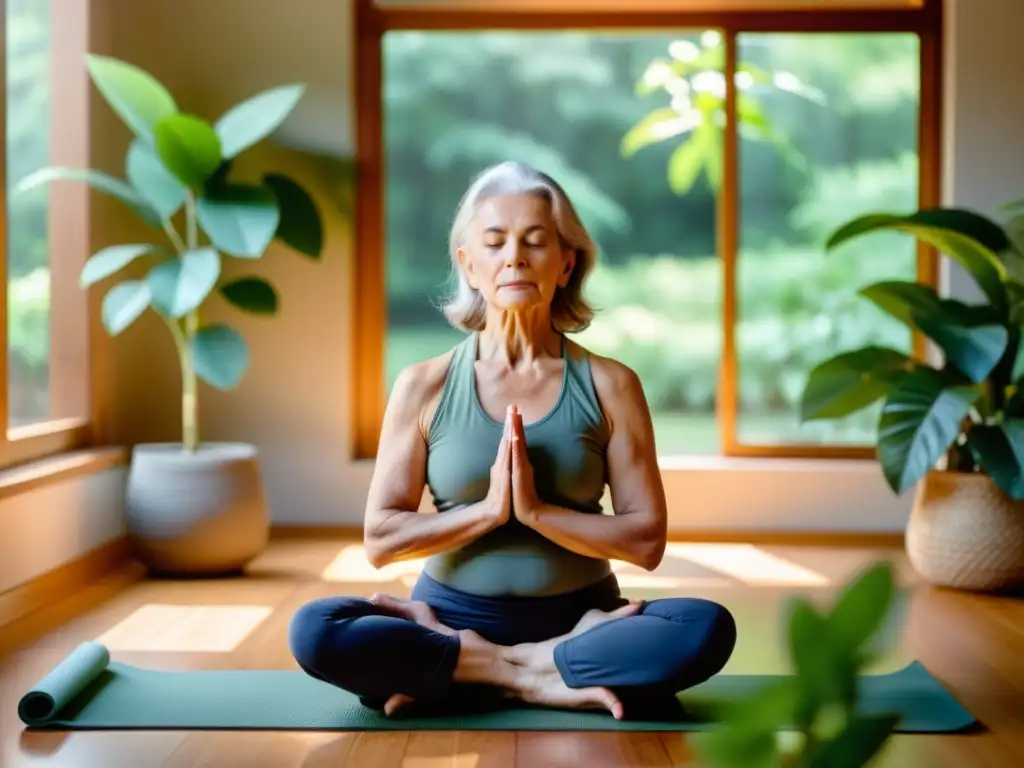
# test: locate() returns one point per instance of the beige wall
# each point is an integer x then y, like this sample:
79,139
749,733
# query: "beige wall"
294,403
54,524
984,153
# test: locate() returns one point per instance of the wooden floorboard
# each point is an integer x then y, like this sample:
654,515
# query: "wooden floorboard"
973,643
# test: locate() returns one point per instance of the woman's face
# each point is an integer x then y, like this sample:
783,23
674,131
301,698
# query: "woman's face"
512,253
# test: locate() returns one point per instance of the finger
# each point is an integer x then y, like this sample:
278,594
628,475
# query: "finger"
509,434
517,454
507,449
517,423
518,438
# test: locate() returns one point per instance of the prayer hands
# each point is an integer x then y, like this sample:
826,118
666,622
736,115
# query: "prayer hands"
525,502
499,495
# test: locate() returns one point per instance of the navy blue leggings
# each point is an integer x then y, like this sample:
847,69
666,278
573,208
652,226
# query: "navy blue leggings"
671,645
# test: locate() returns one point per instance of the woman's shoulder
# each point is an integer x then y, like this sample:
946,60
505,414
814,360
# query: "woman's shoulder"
418,387
619,391
610,375
423,380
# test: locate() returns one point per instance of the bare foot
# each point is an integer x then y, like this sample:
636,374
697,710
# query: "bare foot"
540,657
397,702
591,619
414,610
549,689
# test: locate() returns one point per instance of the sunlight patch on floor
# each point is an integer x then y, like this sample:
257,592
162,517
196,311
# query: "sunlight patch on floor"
185,628
685,566
748,563
351,565
669,576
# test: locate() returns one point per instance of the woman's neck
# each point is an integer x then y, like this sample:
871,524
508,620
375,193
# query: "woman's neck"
514,337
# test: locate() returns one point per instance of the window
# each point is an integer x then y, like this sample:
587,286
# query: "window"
45,393
712,283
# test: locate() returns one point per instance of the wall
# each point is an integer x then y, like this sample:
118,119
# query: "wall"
984,153
294,401
54,524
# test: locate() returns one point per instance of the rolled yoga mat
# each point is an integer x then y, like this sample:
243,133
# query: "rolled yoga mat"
89,691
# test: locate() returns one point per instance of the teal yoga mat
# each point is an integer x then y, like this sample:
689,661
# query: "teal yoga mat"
89,691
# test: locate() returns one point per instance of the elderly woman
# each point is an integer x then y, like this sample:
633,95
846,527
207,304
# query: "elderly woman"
516,431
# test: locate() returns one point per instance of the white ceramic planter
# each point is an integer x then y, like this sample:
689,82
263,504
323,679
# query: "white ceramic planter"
201,513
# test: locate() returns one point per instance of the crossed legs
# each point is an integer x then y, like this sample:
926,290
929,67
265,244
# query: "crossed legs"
390,652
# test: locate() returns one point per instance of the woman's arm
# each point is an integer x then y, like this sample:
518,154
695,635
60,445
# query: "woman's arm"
394,529
636,533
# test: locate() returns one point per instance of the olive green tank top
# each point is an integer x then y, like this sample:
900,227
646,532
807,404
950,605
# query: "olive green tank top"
567,450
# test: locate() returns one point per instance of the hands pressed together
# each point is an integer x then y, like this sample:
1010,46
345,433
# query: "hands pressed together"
512,490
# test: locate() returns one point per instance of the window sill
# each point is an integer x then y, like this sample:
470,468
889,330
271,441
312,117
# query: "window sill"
62,466
766,464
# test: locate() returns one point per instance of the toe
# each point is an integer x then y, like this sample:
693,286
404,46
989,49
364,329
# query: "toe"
395,703
630,609
604,698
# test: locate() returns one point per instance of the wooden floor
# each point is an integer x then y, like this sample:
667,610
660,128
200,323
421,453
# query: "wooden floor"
974,644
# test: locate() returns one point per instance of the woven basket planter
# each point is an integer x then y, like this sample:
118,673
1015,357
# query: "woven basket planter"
965,533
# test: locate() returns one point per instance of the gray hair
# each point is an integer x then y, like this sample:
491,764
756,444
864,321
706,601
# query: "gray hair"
570,312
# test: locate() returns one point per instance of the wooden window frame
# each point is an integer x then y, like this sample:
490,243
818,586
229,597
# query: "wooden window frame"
371,22
69,372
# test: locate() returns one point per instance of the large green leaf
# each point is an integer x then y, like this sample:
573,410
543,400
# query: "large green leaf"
983,265
861,609
851,381
857,744
1015,295
729,747
221,356
747,736
188,148
111,259
98,180
686,162
974,350
999,449
240,219
654,127
123,304
300,226
251,294
920,419
254,119
138,98
819,670
967,222
1017,372
900,298
149,176
181,285
1014,255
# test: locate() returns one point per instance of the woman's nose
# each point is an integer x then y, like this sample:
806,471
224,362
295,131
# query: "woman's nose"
515,255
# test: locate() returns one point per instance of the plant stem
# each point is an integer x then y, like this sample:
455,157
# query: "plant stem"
189,380
174,237
189,396
191,224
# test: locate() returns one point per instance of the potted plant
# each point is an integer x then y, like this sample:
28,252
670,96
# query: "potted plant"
814,716
193,507
955,430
